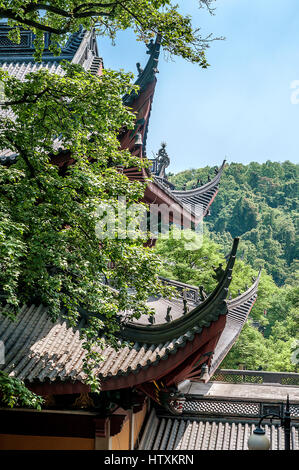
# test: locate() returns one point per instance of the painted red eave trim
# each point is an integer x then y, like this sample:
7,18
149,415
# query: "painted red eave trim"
142,108
154,372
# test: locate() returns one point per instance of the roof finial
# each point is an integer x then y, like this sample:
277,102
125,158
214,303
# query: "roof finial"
202,293
168,317
185,302
219,272
139,69
163,160
150,46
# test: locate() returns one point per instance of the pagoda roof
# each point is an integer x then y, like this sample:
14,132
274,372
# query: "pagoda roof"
202,195
192,322
141,101
41,352
202,432
148,74
81,48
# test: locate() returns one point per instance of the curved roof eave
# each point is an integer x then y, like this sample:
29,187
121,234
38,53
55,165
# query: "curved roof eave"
148,74
202,189
201,316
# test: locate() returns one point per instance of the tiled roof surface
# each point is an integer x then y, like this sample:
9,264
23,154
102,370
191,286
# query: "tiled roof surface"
80,49
35,348
188,433
202,196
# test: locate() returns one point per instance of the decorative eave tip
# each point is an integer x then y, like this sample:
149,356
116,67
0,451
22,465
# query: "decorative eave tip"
148,74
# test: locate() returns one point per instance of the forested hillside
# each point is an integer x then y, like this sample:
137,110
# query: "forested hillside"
257,203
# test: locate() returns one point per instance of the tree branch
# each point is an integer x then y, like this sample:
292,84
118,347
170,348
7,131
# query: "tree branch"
8,13
96,4
75,14
25,99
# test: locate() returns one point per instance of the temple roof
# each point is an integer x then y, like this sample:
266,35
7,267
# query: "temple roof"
202,195
193,432
81,48
141,101
37,350
148,74
192,322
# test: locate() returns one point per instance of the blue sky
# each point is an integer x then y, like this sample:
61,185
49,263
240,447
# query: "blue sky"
240,107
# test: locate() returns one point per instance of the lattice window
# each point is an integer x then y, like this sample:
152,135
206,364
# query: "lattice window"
222,408
5,42
236,379
290,381
294,410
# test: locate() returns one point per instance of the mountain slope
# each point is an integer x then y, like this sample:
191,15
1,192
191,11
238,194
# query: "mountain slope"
258,203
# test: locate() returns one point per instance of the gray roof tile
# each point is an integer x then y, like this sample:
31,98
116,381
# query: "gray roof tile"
196,433
37,349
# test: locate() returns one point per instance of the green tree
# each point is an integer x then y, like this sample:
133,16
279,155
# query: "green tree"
48,246
145,17
259,203
50,252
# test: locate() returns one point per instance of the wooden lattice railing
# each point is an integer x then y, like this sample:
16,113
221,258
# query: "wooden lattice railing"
256,377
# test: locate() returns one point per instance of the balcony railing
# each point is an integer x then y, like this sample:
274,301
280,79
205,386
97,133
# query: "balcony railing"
255,377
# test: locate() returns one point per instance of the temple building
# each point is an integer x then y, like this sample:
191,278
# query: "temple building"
154,393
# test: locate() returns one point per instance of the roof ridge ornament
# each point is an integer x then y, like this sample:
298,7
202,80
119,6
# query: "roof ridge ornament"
150,46
139,69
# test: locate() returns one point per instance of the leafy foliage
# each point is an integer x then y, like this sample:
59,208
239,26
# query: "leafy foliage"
13,393
259,203
50,253
145,17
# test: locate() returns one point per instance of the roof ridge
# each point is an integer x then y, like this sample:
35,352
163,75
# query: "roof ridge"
202,315
147,74
247,294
